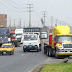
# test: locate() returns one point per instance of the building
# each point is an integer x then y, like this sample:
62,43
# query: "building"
3,20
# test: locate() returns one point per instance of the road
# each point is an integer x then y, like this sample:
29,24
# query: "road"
24,62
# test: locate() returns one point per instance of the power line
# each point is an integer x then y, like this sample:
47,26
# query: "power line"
11,5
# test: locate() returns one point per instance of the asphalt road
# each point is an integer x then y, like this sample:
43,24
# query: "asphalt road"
24,62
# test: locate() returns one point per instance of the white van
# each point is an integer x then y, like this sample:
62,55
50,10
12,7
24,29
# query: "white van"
31,42
19,33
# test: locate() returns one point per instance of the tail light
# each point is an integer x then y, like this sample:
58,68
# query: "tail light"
13,37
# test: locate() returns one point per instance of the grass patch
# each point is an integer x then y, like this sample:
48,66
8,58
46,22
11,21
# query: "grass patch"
62,67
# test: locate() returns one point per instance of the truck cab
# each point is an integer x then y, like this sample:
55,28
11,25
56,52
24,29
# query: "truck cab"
18,33
31,42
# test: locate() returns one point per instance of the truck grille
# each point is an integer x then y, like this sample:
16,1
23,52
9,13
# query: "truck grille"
67,45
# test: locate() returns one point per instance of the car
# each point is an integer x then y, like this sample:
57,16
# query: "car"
7,48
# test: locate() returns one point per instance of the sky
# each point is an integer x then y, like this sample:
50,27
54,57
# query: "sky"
60,10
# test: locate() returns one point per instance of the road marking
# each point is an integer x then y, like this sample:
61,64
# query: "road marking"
22,54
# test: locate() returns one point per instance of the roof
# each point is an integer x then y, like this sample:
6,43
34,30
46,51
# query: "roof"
7,44
61,30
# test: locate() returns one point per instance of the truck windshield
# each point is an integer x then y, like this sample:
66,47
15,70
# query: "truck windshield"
12,34
64,38
18,34
30,37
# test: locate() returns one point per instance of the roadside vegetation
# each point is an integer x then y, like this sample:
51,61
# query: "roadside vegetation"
61,67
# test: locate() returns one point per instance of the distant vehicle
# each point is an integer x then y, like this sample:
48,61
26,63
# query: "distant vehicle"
14,39
31,42
7,48
4,36
19,33
44,35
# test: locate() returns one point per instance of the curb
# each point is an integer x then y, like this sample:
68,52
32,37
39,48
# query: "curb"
38,68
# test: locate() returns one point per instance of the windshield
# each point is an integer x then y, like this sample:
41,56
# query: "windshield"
30,37
12,34
18,34
6,46
65,38
2,36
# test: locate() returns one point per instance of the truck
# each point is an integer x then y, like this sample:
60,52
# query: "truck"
33,32
4,36
31,42
44,35
59,43
18,33
14,40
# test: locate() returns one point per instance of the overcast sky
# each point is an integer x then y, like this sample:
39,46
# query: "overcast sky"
16,9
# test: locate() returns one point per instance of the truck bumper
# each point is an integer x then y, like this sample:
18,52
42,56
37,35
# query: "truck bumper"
70,53
5,52
31,48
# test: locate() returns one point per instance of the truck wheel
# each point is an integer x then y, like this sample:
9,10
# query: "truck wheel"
37,50
18,44
40,47
45,49
49,51
57,56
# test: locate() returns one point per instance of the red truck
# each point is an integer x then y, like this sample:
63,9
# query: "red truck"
14,39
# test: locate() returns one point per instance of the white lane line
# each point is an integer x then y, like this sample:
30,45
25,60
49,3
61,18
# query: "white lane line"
22,54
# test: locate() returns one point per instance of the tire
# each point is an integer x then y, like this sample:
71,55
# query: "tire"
37,50
2,53
11,53
57,56
24,50
40,47
49,52
45,50
18,44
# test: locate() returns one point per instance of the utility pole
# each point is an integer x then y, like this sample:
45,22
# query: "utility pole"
30,7
24,24
56,22
14,23
10,21
51,21
20,22
44,16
